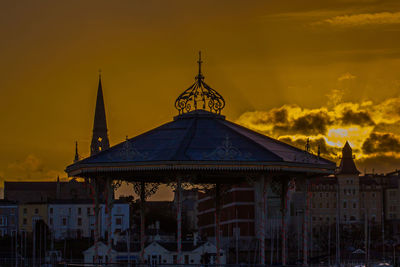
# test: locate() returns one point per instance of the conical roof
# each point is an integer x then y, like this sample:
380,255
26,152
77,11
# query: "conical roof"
203,138
347,165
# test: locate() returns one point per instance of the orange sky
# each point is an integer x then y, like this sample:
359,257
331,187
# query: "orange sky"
330,68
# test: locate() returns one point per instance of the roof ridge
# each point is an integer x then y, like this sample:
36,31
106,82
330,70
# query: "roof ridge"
186,140
270,139
253,141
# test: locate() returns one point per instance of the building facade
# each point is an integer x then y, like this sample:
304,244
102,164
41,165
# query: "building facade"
8,218
75,219
29,214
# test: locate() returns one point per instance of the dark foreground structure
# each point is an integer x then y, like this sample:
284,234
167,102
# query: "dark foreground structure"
198,148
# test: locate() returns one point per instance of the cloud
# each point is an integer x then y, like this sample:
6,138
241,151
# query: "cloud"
380,163
326,150
312,123
381,143
335,97
364,19
346,76
372,129
30,164
350,117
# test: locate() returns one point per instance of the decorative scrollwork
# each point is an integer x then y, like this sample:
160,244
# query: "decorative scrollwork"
149,188
129,152
226,152
199,95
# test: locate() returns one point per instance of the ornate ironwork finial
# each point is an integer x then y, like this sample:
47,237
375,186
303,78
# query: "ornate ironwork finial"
200,76
199,96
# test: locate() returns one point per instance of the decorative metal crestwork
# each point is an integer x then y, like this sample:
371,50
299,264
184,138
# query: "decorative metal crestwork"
129,152
199,96
227,152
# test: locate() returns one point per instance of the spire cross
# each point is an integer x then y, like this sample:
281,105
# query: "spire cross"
200,76
199,62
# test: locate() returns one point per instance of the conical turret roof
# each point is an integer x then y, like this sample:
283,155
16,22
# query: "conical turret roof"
347,165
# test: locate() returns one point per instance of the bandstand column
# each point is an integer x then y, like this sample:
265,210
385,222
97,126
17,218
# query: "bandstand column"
306,219
283,218
142,223
109,207
95,190
217,222
264,181
179,219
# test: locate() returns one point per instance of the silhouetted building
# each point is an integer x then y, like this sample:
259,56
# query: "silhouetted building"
24,192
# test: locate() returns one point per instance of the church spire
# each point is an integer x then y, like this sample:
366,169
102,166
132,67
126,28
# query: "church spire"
100,138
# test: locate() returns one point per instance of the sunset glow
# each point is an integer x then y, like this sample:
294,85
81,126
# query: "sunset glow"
324,70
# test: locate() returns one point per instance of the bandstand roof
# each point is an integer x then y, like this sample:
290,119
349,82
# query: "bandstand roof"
199,140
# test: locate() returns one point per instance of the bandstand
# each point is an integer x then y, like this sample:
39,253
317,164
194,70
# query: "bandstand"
200,147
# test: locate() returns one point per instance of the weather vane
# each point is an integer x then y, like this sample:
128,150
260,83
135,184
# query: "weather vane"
199,93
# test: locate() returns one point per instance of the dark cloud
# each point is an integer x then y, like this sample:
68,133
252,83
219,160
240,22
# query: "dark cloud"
327,151
380,163
310,124
278,116
381,143
362,118
388,127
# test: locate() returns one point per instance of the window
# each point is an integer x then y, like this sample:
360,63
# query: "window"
12,220
64,221
118,221
25,221
12,211
345,217
175,259
51,221
327,194
344,204
88,211
320,205
313,218
79,211
354,205
334,205
79,221
327,205
25,211
51,210
320,194
373,194
345,191
36,211
186,259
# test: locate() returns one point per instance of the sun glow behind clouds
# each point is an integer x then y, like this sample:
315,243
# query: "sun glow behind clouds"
372,129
